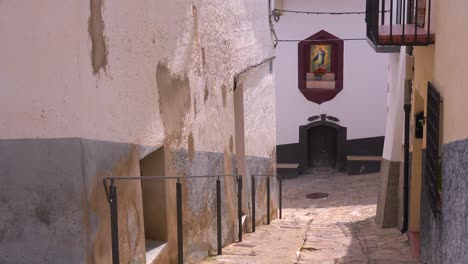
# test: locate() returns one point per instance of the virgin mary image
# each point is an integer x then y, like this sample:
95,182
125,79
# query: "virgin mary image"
320,57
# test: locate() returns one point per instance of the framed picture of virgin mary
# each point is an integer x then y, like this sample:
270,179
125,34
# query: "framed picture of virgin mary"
320,57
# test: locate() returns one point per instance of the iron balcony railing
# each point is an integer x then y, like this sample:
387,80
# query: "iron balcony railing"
399,22
111,194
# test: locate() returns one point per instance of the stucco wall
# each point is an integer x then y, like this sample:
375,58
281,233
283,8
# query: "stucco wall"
146,74
450,71
393,146
50,89
361,104
444,238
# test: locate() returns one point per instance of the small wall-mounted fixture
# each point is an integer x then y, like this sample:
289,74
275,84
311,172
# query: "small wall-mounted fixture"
313,118
419,125
332,118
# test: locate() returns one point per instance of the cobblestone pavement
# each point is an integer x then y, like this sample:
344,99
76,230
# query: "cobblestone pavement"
337,229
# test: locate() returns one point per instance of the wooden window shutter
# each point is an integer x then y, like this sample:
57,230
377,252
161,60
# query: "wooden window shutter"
421,13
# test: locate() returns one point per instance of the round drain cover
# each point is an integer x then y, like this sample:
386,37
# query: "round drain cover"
316,195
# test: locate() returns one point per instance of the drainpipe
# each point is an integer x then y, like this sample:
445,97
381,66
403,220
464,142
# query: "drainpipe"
407,109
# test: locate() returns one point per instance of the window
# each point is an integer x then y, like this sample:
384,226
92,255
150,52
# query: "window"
432,179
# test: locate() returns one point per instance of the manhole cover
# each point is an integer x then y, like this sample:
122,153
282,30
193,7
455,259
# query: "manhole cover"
316,195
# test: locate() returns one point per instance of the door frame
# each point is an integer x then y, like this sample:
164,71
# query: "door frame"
312,145
341,137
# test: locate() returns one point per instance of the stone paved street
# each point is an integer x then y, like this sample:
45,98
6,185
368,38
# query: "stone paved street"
337,229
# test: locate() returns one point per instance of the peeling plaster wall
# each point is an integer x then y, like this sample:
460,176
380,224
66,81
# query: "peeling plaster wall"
52,87
260,127
135,75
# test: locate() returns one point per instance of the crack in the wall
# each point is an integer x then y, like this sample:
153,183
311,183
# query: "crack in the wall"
96,32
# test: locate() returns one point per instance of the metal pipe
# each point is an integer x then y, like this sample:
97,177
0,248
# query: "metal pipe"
404,227
180,237
114,223
407,109
268,200
280,197
253,203
167,177
218,215
249,68
239,205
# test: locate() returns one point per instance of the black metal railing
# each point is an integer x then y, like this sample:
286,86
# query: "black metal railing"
399,22
432,178
268,196
111,193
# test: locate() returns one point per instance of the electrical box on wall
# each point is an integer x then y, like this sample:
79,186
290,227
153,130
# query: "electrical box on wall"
419,126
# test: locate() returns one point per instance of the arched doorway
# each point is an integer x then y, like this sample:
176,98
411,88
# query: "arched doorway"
321,147
322,144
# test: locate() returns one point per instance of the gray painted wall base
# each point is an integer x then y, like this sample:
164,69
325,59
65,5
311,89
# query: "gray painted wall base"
388,202
444,237
53,208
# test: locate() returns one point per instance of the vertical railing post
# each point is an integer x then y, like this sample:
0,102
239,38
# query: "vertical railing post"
268,199
253,203
218,215
239,205
383,12
180,242
114,223
391,21
280,181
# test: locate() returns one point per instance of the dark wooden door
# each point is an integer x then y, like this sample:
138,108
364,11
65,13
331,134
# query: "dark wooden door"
322,147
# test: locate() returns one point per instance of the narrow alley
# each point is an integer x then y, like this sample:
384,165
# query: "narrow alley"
339,228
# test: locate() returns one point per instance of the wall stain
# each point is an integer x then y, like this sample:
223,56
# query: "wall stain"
174,102
224,94
195,106
203,57
206,95
99,49
231,144
42,212
191,147
132,242
230,185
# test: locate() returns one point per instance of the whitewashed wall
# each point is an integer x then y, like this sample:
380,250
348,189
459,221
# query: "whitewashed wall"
393,146
47,85
361,105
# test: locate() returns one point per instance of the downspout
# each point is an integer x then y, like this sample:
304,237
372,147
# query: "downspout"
407,109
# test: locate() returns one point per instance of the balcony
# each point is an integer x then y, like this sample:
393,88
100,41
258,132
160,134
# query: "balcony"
395,23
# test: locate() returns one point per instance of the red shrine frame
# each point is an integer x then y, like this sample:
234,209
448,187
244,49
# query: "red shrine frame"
320,95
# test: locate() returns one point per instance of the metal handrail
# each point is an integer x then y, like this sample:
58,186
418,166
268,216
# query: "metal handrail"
111,194
280,194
